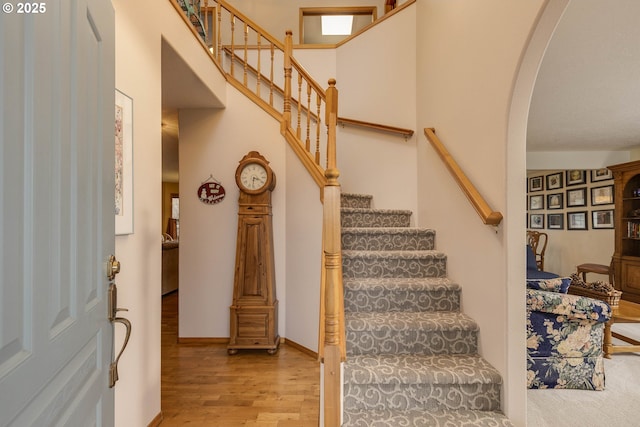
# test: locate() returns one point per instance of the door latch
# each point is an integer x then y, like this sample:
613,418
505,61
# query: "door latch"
113,267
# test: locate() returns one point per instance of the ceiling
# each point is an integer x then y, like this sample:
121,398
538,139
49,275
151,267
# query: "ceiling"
587,95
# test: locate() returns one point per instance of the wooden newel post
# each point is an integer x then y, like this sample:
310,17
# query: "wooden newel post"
333,321
288,52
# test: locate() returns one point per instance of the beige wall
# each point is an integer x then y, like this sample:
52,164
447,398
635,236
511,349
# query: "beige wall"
468,59
379,86
138,74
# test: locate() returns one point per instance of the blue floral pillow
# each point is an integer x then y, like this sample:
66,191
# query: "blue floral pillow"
558,284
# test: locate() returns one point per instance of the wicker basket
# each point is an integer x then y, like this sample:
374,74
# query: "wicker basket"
612,297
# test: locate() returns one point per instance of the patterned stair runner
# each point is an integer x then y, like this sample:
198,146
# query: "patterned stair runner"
412,356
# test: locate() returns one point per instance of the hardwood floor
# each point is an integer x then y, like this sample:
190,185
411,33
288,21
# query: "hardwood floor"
203,386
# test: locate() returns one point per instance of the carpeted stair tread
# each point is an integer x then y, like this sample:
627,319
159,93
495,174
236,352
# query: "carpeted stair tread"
437,332
353,200
430,253
401,294
417,283
403,321
416,368
388,238
367,217
427,263
421,418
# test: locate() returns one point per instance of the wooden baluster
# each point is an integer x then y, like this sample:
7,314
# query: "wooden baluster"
219,52
206,20
318,126
233,54
299,104
246,59
288,49
308,139
259,37
271,76
333,310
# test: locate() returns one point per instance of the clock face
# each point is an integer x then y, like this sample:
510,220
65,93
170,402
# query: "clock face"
253,176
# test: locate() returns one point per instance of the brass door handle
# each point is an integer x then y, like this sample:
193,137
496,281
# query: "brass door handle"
112,308
113,368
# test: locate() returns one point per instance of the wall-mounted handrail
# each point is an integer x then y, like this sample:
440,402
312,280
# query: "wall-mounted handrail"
406,133
488,215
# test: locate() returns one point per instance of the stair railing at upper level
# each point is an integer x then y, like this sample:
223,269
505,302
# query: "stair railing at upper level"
259,65
487,215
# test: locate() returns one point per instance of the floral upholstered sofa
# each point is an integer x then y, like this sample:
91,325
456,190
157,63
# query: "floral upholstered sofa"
564,337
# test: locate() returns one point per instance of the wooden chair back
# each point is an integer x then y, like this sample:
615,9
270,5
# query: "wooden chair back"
538,242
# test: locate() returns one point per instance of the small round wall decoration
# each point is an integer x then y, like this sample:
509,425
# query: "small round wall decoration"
211,192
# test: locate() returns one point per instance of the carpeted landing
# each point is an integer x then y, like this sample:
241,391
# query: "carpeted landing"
412,356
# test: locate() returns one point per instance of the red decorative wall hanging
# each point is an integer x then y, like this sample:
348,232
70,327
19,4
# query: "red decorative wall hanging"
211,192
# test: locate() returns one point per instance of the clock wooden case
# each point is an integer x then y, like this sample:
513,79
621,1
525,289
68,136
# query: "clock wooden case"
254,310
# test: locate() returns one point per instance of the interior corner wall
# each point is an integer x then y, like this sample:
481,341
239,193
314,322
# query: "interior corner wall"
303,255
138,68
212,143
468,54
379,86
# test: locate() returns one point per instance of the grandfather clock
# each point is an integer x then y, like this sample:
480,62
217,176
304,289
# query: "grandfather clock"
254,311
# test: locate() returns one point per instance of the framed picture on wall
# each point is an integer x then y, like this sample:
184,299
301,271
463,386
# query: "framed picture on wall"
601,175
577,220
602,195
555,221
577,197
554,201
576,177
536,202
554,181
536,183
602,219
536,221
123,164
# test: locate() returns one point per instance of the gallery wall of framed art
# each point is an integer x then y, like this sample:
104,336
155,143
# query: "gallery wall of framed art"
576,209
570,200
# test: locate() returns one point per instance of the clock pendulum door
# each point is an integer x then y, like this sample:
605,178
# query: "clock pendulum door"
254,311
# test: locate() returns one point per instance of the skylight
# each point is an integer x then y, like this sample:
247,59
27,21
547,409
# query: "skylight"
337,25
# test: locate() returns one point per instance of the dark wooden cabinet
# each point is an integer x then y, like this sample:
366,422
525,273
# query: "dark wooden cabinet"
626,258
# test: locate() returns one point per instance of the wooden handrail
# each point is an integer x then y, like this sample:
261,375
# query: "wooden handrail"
488,216
406,133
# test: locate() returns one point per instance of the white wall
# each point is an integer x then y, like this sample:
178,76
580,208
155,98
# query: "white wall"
575,159
468,56
378,85
138,74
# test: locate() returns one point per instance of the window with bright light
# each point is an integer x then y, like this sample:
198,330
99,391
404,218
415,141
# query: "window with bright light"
330,25
337,25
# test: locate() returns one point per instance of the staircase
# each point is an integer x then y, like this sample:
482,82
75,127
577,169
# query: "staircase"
412,356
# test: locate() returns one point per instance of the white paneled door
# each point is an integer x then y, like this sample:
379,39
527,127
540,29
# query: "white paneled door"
56,212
